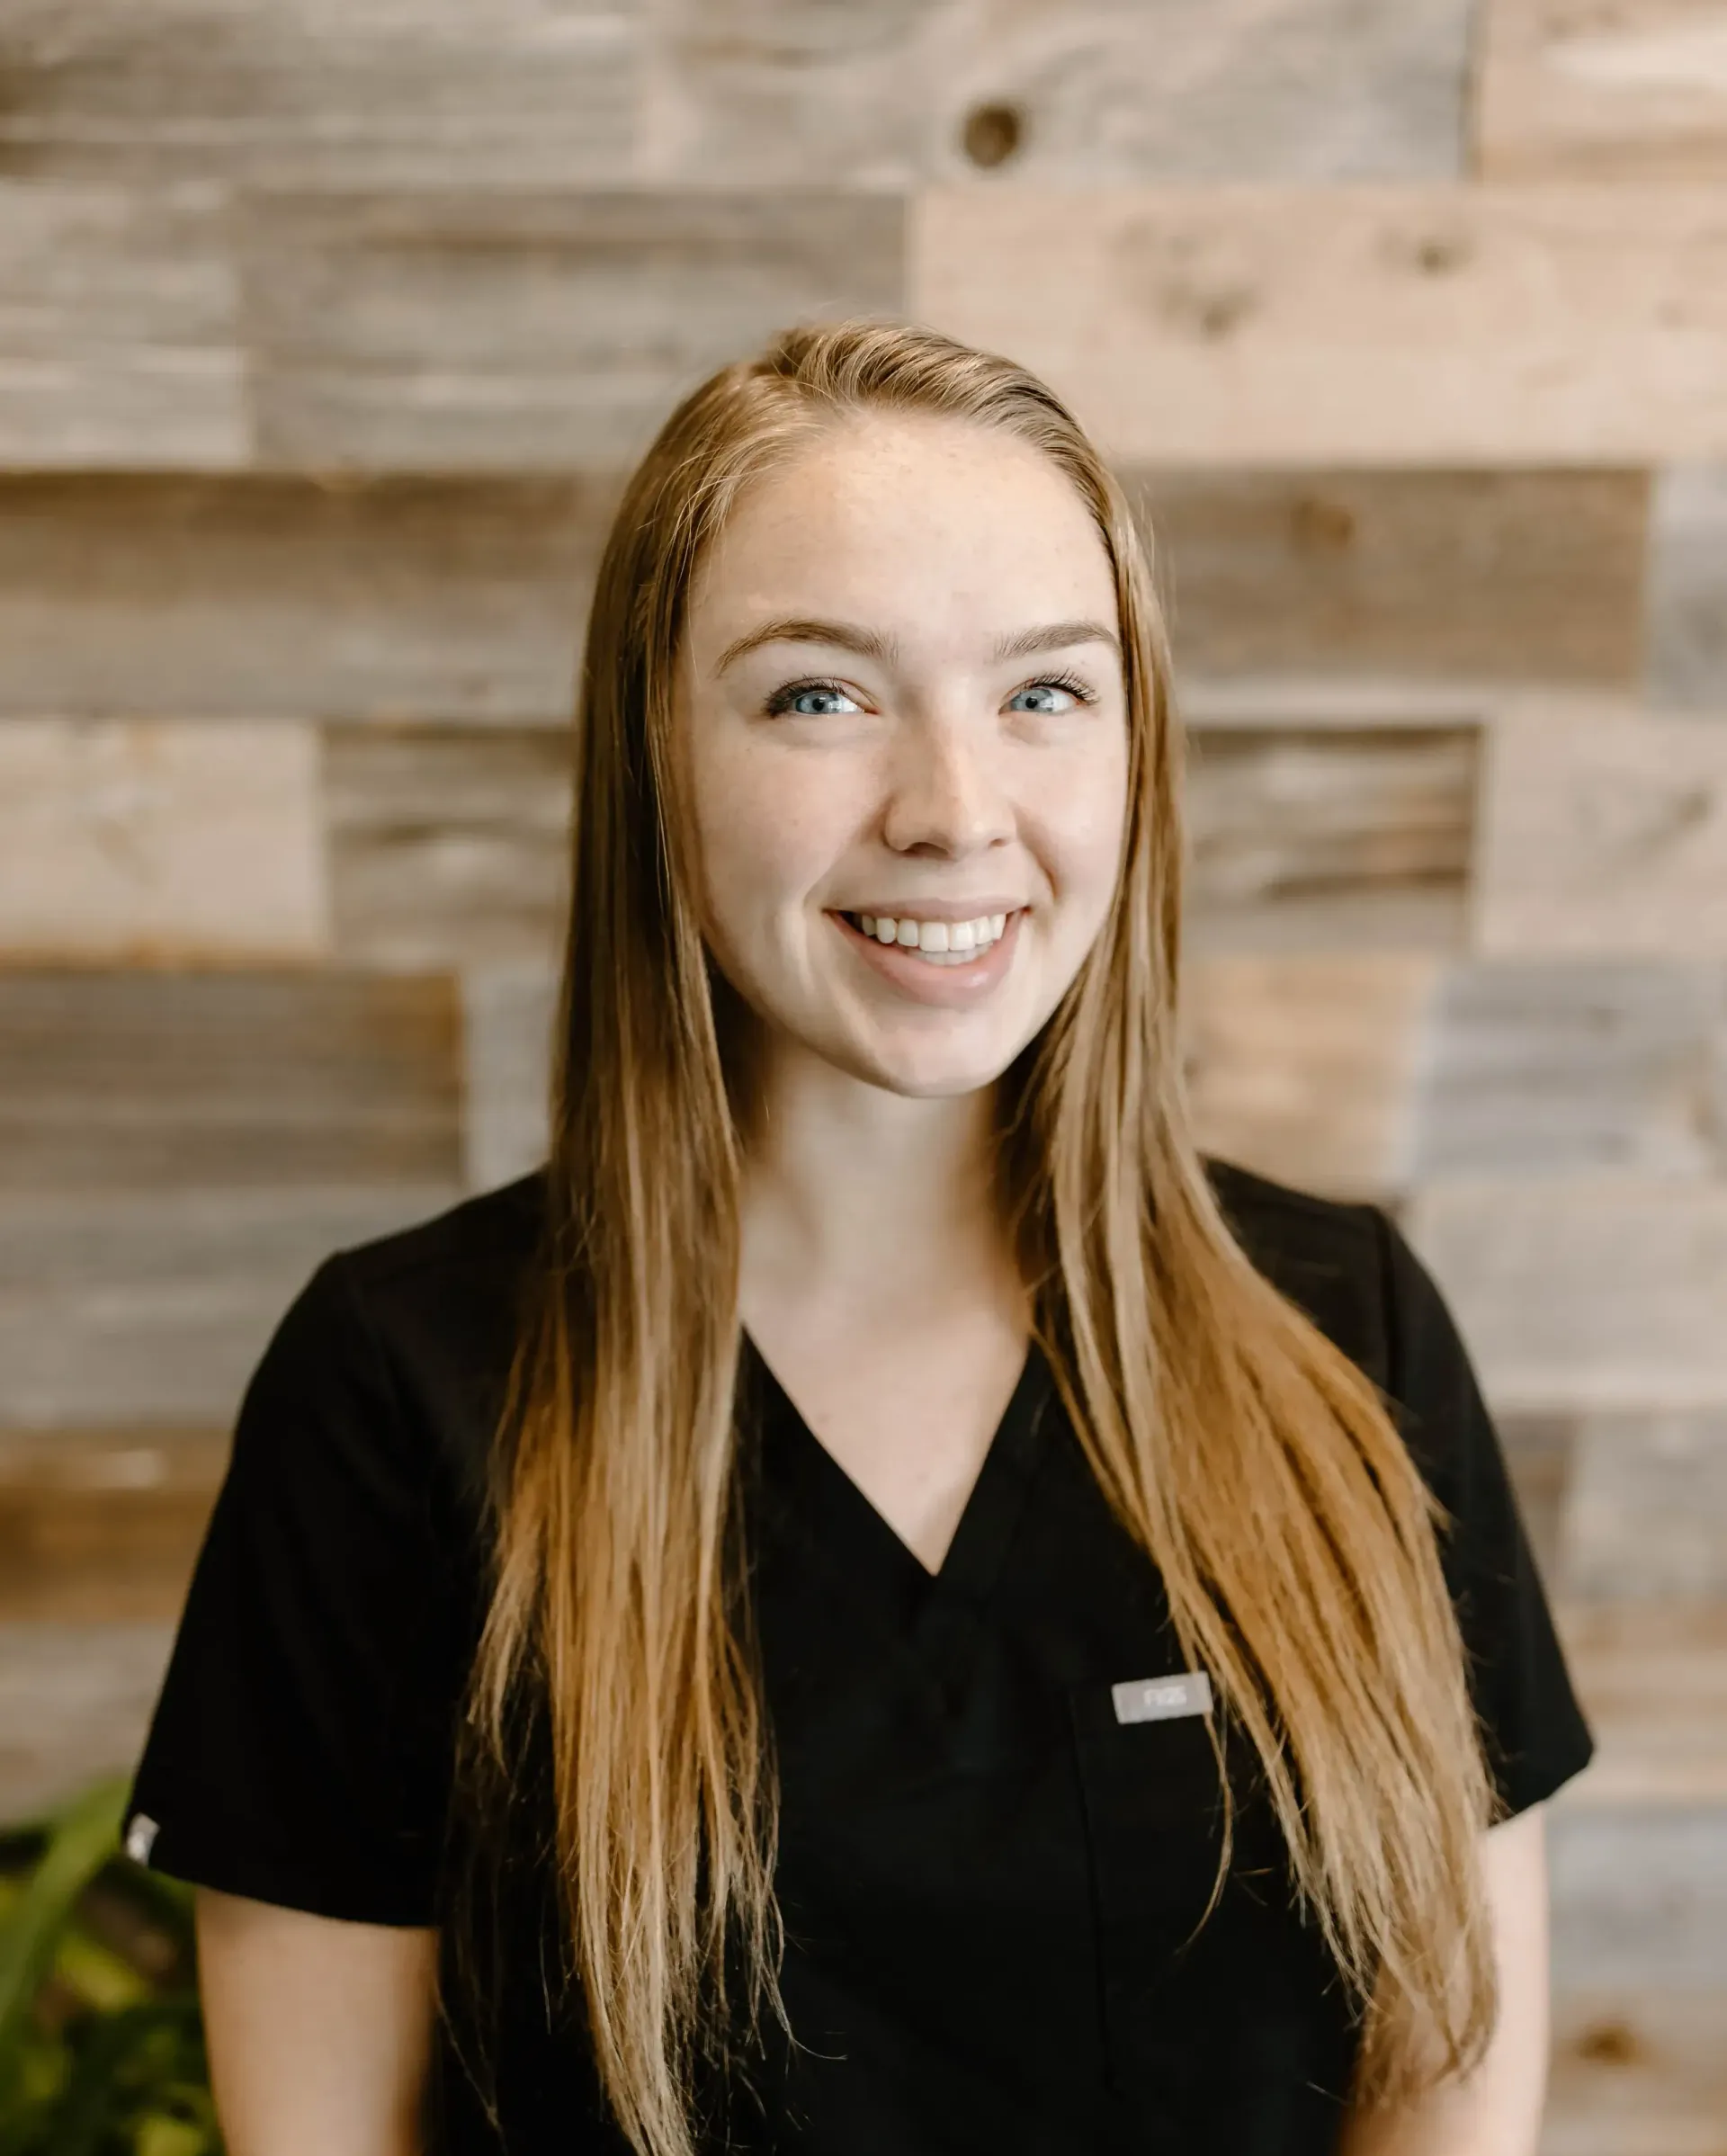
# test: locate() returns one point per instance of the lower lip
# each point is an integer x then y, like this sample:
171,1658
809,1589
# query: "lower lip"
949,987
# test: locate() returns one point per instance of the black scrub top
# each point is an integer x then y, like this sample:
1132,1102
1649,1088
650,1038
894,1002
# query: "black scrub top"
988,1878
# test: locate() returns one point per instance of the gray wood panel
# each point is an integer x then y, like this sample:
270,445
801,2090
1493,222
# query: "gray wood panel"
1652,1678
437,331
447,845
1538,1450
1603,833
1367,323
1640,1896
1601,1293
1299,1065
879,92
1637,2073
1647,1511
508,1015
147,840
1536,1067
129,1307
1402,574
318,93
101,1526
1568,89
118,330
249,597
1686,662
1338,838
166,1080
75,1701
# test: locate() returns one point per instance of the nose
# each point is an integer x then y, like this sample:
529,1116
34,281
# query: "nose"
947,794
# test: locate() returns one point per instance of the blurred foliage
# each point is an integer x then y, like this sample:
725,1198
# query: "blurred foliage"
101,2048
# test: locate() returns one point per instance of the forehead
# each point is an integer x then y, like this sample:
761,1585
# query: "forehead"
901,521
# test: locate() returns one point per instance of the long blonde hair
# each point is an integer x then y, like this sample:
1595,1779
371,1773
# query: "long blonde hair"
1221,1424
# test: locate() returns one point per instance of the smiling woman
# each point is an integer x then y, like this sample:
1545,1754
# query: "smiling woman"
878,1604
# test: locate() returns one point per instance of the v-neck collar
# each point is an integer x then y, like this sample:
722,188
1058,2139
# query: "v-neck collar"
811,1494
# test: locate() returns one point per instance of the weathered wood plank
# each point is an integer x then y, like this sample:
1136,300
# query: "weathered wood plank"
1538,1450
120,1307
248,597
101,1526
313,92
1603,1292
514,331
1637,2073
879,93
1339,837
159,1080
1652,1678
1568,90
1253,324
1447,577
1300,1066
1639,1896
1687,668
448,844
1603,833
119,340
74,1702
152,840
1535,1066
508,1014
1647,1513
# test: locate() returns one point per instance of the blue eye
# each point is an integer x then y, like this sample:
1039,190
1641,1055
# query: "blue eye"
811,699
1070,692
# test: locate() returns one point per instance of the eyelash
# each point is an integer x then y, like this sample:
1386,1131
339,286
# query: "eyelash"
781,701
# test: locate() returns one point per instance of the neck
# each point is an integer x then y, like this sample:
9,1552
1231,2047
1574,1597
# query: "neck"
854,1192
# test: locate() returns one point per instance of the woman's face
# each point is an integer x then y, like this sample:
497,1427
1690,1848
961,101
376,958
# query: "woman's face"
901,700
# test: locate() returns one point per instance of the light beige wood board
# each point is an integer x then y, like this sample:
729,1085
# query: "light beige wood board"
1603,833
323,93
1403,577
1646,1513
204,1081
294,597
118,331
1538,1451
145,840
121,1307
508,1014
880,93
1367,325
1602,1292
1334,837
1571,89
74,1702
1300,1065
1639,1896
448,844
1686,660
101,1526
1653,1680
434,330
1556,1066
1637,2073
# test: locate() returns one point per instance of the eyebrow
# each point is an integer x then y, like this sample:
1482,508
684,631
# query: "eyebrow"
847,636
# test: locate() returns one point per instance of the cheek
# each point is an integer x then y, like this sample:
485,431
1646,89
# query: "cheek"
765,833
1080,816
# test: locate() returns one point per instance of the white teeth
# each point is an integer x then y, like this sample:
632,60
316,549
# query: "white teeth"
942,942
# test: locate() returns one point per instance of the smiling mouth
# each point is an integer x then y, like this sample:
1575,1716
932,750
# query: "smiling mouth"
937,943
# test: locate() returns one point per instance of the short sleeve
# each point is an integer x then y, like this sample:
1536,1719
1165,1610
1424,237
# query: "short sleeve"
1532,1728
298,1752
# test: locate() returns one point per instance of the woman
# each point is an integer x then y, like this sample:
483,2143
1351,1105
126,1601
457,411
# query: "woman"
877,1605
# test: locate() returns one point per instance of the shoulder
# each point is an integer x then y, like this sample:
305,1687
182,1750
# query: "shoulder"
1331,1258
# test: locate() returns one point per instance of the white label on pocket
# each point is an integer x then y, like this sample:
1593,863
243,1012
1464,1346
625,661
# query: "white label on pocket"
1162,1699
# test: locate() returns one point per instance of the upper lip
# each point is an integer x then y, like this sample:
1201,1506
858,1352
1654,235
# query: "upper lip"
937,910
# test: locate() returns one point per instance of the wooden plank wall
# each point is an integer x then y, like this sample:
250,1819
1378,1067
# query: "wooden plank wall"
327,331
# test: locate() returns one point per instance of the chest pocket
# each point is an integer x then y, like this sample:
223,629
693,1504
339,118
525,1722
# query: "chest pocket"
1153,1801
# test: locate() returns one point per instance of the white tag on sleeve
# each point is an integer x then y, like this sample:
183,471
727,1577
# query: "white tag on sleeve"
140,1837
